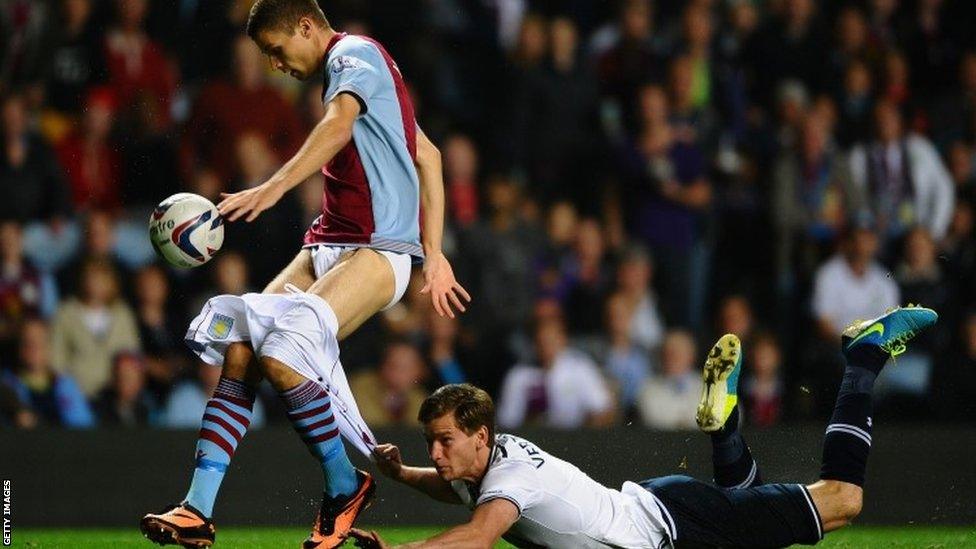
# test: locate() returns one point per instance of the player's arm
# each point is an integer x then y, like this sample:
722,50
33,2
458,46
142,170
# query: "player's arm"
422,479
487,525
444,289
329,136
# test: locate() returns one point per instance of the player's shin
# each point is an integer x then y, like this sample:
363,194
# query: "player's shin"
225,420
732,463
310,411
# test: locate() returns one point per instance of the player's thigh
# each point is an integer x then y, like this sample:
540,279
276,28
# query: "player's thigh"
299,273
358,286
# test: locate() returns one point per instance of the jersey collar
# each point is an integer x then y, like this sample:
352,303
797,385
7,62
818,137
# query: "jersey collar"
332,42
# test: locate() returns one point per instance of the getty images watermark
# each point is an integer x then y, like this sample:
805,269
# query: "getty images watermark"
8,526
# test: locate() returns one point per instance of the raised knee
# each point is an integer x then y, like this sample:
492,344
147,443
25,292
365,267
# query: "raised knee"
239,365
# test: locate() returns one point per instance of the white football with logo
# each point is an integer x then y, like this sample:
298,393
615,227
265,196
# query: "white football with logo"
186,230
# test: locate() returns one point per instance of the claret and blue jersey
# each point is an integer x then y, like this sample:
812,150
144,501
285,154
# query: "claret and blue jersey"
372,192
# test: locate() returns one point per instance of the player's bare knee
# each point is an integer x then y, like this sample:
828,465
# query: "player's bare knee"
279,375
238,363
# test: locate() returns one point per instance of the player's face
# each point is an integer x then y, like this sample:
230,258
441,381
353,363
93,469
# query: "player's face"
454,452
294,54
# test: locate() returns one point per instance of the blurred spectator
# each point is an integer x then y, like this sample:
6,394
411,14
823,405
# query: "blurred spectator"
91,328
590,280
559,112
693,121
229,108
903,178
634,284
280,229
562,229
189,398
634,60
920,276
25,291
959,247
23,25
392,394
445,349
91,162
125,402
138,71
627,363
13,411
76,59
53,397
735,316
763,384
231,274
100,243
850,44
160,329
812,197
852,285
855,101
791,45
34,186
461,166
497,265
565,390
669,400
668,197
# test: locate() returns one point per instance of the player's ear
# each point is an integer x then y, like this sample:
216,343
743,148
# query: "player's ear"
305,27
483,435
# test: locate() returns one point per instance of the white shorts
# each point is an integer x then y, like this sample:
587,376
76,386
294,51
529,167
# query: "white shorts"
297,329
324,257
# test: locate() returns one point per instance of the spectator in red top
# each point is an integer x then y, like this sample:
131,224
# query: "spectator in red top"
763,384
90,161
138,71
227,109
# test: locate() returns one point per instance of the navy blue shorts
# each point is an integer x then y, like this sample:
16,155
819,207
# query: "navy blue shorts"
704,515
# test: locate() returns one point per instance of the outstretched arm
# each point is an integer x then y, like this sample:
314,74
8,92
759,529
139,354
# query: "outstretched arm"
444,289
329,136
422,479
489,521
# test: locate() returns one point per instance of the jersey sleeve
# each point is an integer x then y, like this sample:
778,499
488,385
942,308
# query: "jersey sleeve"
515,481
354,71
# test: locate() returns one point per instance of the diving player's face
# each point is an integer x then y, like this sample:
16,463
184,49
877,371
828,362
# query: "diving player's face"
454,452
293,54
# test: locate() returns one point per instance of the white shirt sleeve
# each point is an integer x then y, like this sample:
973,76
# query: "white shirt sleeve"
515,481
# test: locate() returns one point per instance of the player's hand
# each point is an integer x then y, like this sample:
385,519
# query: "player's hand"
445,291
250,202
367,540
388,460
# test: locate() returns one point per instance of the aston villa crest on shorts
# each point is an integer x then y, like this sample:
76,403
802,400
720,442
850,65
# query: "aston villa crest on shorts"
220,326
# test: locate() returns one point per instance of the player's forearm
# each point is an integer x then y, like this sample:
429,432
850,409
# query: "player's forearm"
328,137
465,536
427,481
430,172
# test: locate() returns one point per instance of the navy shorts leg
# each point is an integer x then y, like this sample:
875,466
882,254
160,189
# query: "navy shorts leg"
704,515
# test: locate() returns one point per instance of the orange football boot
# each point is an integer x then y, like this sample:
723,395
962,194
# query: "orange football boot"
179,525
337,516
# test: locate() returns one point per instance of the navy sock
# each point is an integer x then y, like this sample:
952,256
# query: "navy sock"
732,462
310,411
848,437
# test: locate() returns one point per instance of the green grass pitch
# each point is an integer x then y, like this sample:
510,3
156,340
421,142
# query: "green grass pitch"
858,537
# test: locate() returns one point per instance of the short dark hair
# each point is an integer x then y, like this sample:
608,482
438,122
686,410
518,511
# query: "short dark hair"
282,15
471,406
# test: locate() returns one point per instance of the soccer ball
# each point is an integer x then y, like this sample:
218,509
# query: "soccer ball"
186,230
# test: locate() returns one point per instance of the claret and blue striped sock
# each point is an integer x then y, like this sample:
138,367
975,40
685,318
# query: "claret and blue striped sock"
225,420
310,411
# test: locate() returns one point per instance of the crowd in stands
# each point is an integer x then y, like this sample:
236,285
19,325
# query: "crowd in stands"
625,180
